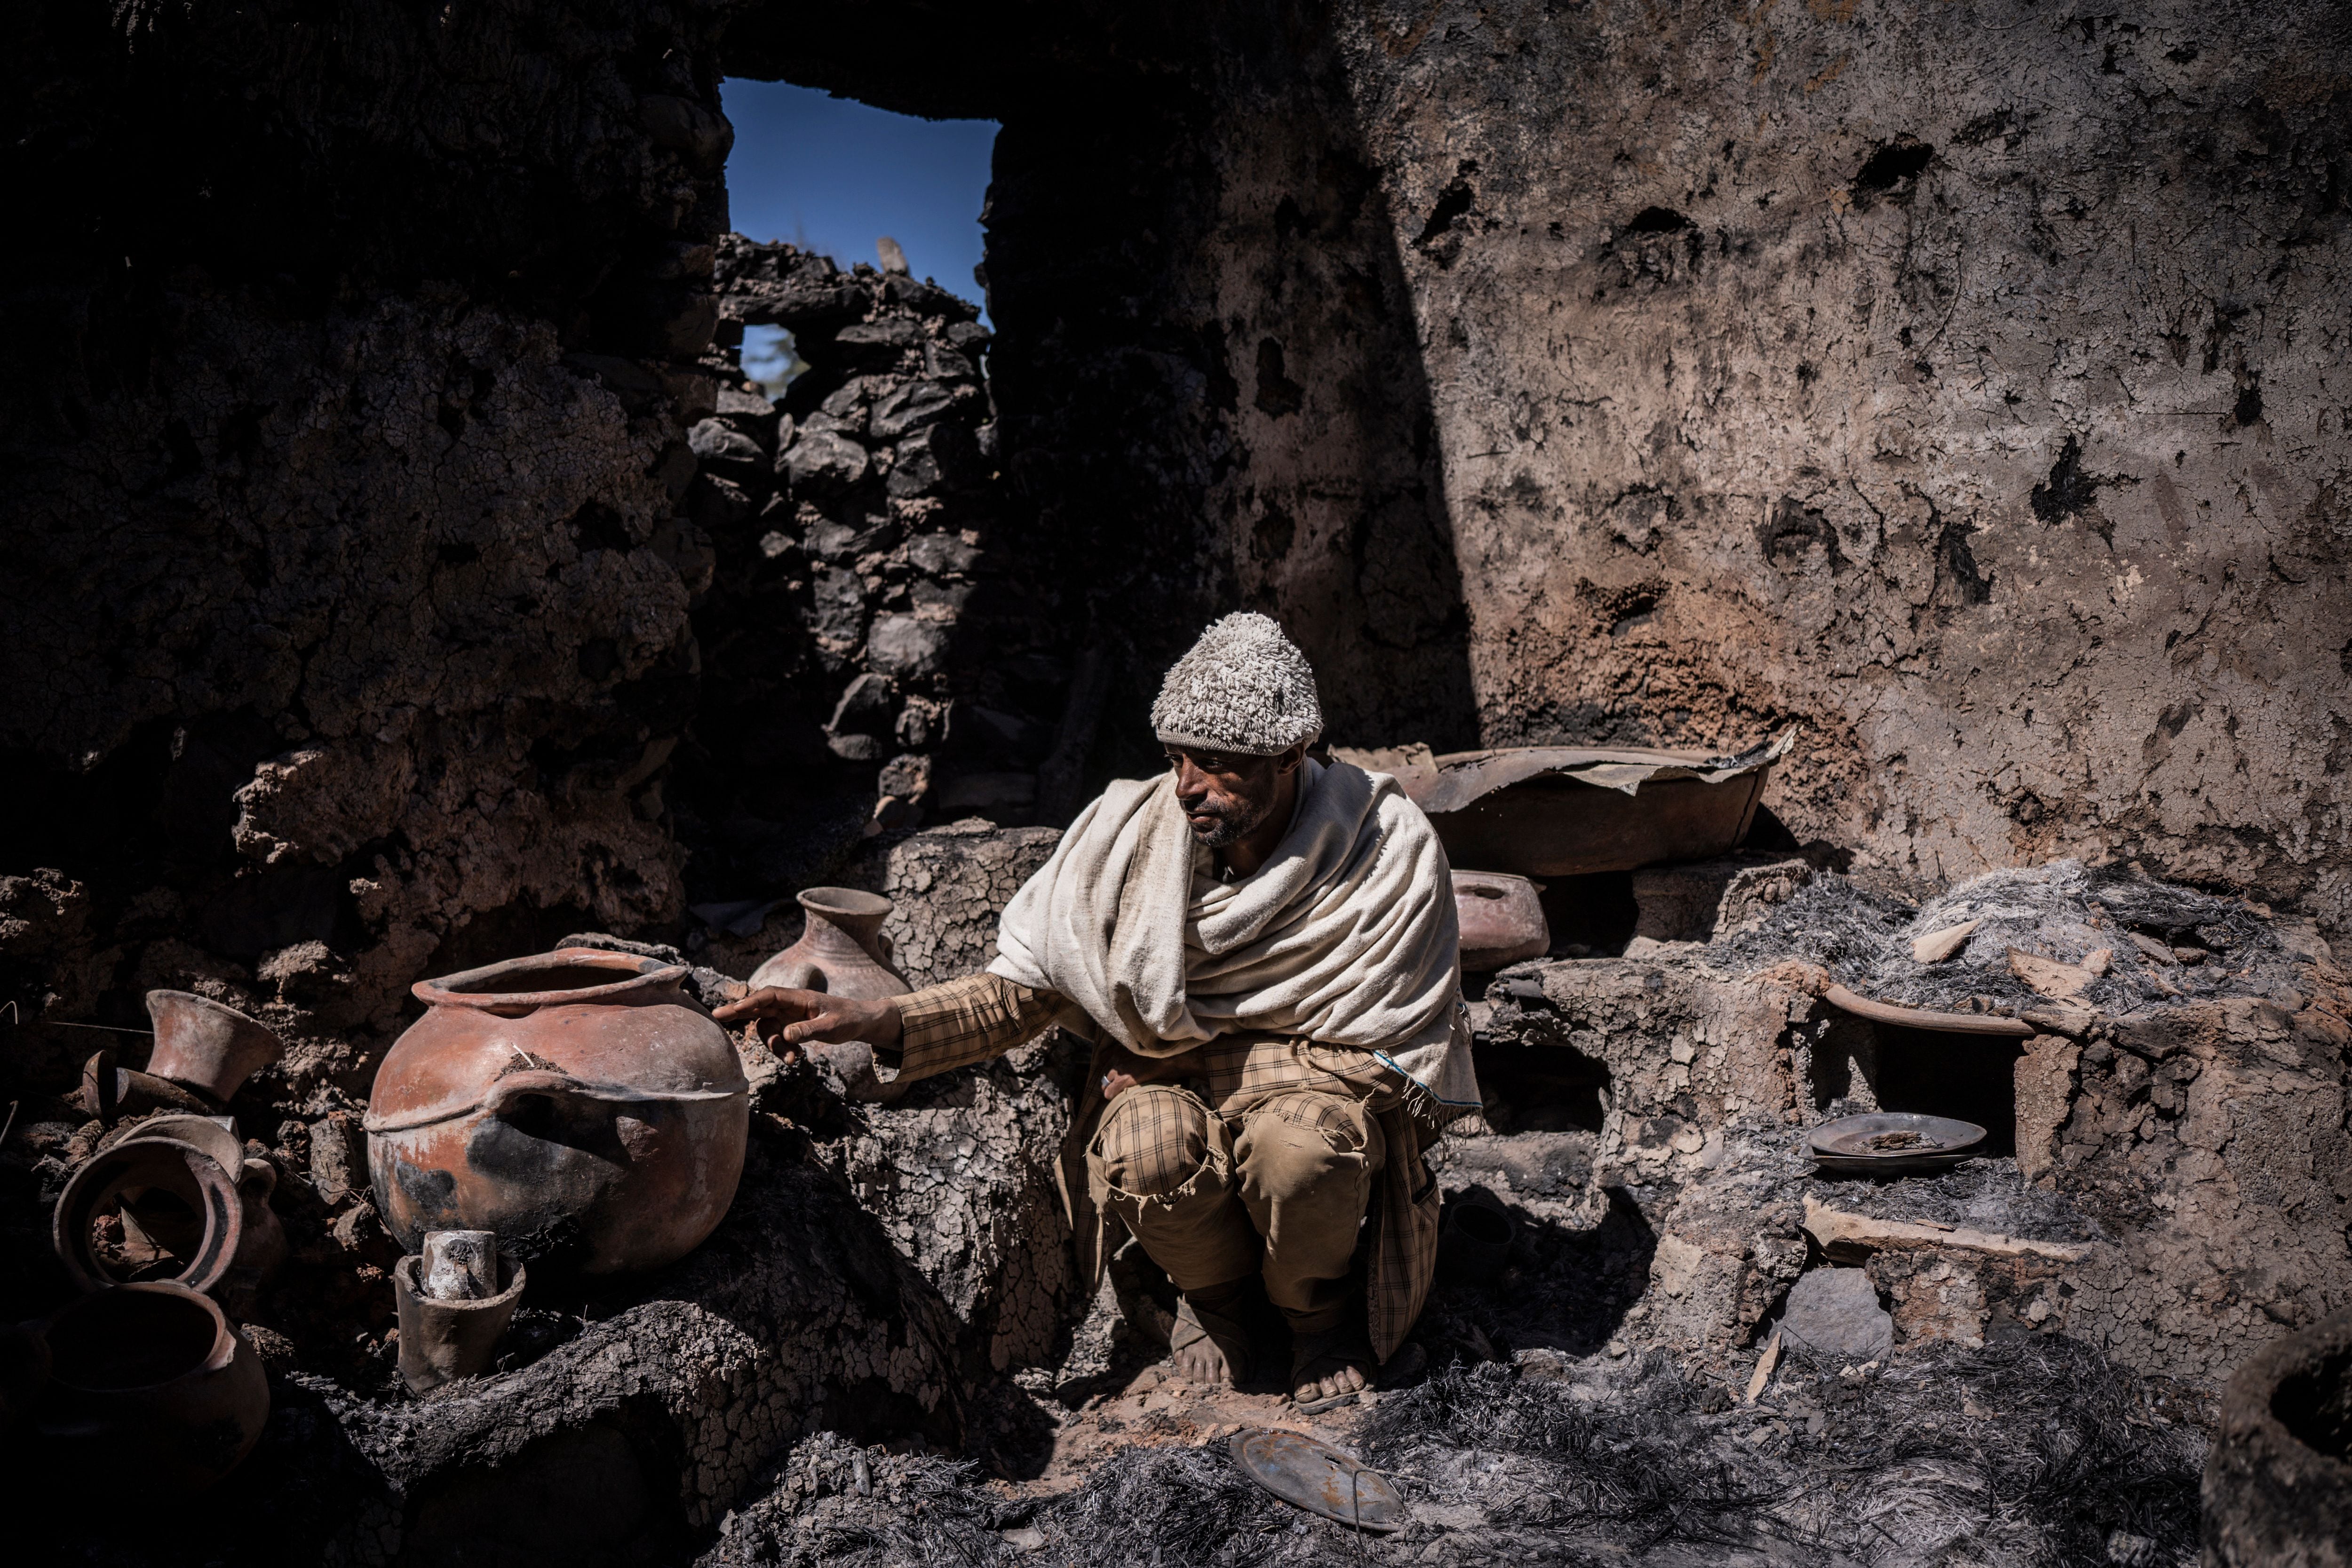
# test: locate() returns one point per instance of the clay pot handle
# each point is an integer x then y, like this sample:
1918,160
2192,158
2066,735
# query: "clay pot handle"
514,1086
258,1180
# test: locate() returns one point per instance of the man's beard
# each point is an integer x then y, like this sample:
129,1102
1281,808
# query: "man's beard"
1231,828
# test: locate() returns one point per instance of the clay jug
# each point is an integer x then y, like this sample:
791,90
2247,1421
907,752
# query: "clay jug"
842,952
149,1384
578,1104
1501,921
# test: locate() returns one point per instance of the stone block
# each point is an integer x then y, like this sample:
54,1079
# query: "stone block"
1833,1315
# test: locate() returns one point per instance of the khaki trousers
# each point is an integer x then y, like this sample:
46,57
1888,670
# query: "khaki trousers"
1276,1186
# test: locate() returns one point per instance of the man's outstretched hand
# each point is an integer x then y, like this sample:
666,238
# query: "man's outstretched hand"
795,1017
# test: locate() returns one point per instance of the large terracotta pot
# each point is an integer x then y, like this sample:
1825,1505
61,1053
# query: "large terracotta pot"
1501,921
149,1384
842,952
578,1104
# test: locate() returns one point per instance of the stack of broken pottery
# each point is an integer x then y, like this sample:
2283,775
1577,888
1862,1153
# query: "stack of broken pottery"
178,1187
1508,816
842,952
148,1377
1893,1144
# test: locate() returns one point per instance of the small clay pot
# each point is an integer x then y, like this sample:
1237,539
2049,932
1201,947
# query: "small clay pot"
441,1342
149,1384
1502,922
2278,1484
842,952
206,1046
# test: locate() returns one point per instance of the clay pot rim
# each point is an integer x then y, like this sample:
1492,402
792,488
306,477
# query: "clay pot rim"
206,1004
630,973
853,903
1459,882
224,1337
1837,997
408,1274
213,1140
93,1281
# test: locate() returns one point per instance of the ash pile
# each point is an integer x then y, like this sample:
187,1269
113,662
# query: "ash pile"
2134,942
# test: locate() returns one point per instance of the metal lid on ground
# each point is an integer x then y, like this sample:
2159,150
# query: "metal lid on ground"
1320,1479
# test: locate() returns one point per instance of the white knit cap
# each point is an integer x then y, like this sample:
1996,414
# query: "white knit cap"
1243,688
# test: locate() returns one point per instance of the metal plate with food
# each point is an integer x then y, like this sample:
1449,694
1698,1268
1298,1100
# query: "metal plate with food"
1894,1142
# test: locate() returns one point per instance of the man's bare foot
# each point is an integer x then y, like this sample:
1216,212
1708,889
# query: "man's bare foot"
1330,1365
1201,1361
1208,1346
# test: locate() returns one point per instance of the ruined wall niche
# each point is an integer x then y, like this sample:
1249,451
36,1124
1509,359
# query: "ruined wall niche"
1816,367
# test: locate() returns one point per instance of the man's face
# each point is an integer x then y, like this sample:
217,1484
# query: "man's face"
1227,796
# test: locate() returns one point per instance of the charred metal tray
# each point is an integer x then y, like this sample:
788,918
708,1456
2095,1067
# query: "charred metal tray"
1893,1144
1319,1479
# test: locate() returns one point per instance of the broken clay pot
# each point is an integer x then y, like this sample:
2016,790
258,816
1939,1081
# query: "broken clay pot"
578,1104
181,1188
1502,922
842,952
443,1341
1563,810
112,1093
149,1382
206,1046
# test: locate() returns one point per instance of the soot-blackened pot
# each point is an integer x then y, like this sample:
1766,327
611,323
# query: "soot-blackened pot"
149,1386
577,1103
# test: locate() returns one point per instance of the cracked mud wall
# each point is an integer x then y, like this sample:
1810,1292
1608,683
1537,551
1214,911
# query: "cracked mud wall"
1961,382
1964,382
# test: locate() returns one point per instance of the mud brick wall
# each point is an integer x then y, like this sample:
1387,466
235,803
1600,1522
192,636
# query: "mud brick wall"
1960,381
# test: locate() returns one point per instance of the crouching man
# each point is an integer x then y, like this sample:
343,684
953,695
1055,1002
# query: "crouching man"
1262,950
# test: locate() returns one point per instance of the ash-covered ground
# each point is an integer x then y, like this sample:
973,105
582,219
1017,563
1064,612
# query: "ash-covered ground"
2162,941
2026,1452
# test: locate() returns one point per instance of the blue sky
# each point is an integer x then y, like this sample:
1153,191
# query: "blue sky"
833,174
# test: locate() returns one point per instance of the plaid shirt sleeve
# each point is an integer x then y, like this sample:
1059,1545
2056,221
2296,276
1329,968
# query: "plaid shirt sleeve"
953,1025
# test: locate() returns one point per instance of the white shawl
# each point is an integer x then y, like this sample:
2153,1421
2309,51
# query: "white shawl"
1345,936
